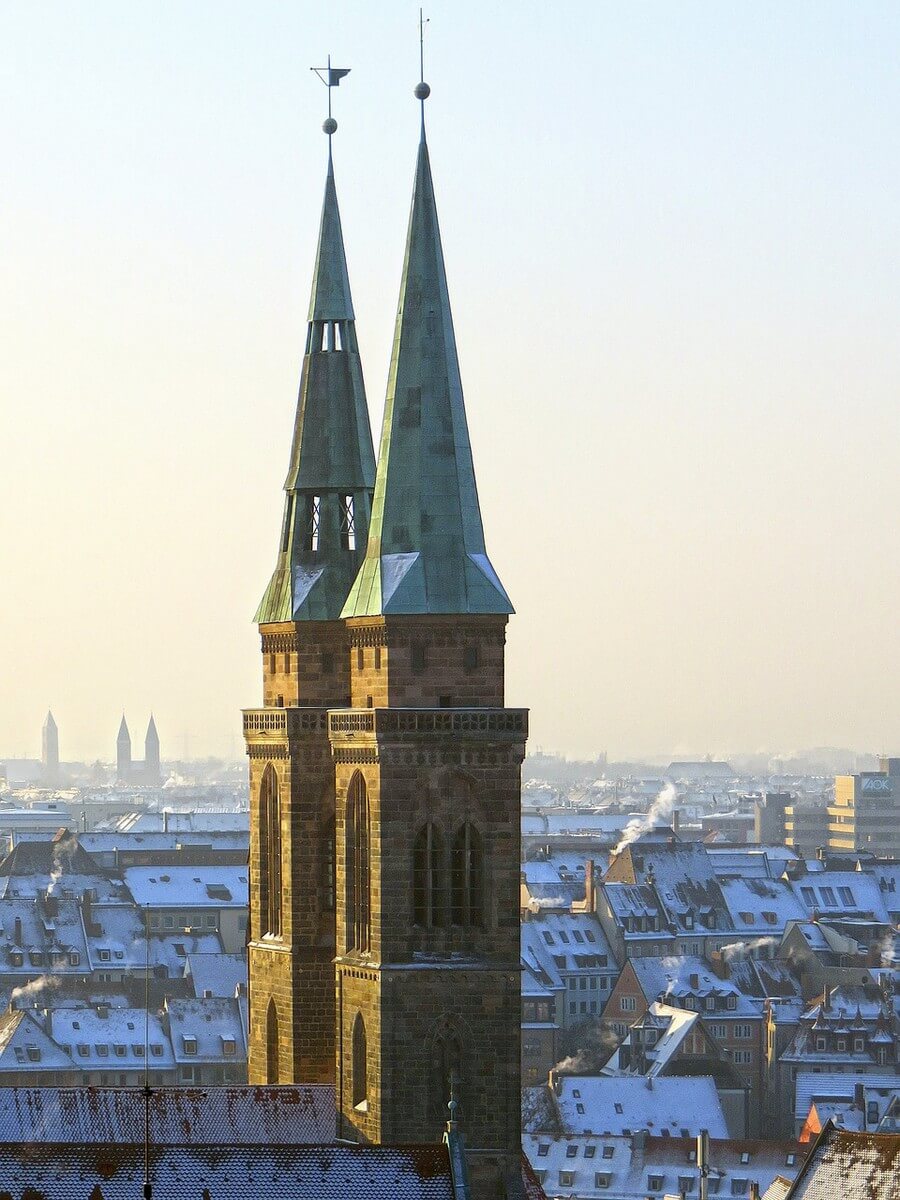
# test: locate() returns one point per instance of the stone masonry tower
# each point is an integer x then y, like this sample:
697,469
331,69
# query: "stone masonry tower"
328,493
427,772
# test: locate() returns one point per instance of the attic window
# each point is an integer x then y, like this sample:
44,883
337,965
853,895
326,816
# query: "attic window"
809,896
618,1108
348,524
828,897
846,895
189,1044
608,1151
313,514
572,1150
543,1149
229,1046
745,1157
156,1050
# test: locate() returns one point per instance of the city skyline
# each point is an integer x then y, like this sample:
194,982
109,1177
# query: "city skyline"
697,343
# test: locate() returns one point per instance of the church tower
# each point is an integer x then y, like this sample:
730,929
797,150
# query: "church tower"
50,749
123,753
427,766
328,495
151,753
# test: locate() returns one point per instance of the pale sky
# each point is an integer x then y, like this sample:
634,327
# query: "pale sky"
672,238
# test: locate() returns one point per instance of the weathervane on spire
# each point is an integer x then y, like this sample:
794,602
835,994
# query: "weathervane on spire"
422,90
331,77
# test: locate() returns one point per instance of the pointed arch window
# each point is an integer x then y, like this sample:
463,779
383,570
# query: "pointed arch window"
444,1077
348,523
467,877
313,519
360,1065
358,875
272,1049
429,877
270,854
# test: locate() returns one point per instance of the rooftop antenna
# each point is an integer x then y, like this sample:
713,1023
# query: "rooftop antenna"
331,77
422,90
148,1186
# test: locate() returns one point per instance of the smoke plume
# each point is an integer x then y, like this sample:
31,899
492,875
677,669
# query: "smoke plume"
735,948
28,991
658,812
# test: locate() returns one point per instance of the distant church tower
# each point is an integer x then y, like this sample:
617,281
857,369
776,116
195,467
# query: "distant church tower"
428,765
328,495
151,754
50,749
123,753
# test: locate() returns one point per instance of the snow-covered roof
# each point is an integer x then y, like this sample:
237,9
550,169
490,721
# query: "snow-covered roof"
811,1086
43,936
336,1171
188,887
217,1116
614,1104
854,1166
673,1026
111,1039
201,820
203,1030
573,941
216,974
24,1045
657,1167
847,892
761,907
677,977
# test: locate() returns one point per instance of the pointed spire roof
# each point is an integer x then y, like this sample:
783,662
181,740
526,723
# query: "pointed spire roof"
152,734
426,550
332,456
49,722
330,298
123,730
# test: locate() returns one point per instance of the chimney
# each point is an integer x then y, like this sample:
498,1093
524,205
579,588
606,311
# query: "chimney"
590,886
703,1162
694,981
719,964
676,820
639,1141
17,935
165,820
826,999
859,1096
754,1190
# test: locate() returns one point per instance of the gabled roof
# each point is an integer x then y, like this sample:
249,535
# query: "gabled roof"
851,1165
619,1103
25,1046
426,550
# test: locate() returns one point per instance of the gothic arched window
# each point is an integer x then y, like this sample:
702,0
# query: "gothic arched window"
467,877
444,1076
357,849
272,1043
429,877
360,1063
270,854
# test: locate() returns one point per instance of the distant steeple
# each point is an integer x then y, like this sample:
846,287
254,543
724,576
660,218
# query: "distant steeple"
426,551
50,748
151,751
332,469
123,751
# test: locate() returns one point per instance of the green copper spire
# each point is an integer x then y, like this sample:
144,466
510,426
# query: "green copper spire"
332,468
426,551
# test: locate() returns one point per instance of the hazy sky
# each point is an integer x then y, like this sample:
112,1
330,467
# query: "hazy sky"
672,238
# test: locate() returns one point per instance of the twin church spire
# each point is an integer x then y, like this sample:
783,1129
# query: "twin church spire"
407,538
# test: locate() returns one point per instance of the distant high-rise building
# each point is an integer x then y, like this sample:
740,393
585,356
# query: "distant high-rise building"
123,753
50,749
151,753
865,814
